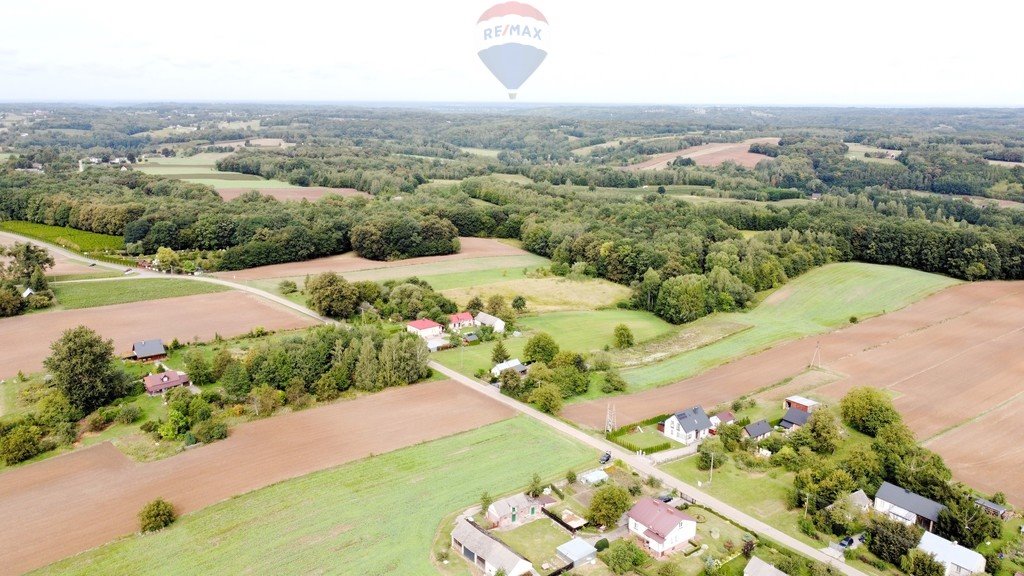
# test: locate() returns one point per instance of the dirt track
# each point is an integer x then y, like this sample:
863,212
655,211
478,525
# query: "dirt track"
709,155
25,340
948,359
63,506
62,264
349,262
310,193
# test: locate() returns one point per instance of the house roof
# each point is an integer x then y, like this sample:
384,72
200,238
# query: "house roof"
725,417
148,348
758,567
693,419
576,549
424,324
759,428
488,320
472,337
794,417
167,379
910,501
659,518
802,400
947,553
857,499
594,476
460,317
521,501
998,508
496,553
514,364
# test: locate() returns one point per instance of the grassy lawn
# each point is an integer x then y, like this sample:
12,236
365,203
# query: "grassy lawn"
87,276
376,516
859,151
821,300
202,169
103,293
537,541
649,437
574,331
548,294
77,240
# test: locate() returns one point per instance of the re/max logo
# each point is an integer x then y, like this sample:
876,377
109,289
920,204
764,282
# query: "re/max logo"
512,30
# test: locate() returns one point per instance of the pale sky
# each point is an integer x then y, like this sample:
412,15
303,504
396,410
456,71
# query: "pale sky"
861,52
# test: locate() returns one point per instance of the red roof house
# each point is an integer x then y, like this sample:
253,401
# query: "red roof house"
460,320
660,526
157,383
425,328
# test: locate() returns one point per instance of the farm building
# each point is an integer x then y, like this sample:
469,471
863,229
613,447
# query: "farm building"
424,328
794,419
149,350
577,552
594,477
486,553
460,321
661,527
485,319
722,418
517,510
800,403
435,344
757,430
907,507
758,567
688,426
158,383
993,509
513,364
959,561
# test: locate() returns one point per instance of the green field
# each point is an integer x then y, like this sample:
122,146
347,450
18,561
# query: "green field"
202,169
485,152
821,300
859,152
574,331
376,516
69,238
105,292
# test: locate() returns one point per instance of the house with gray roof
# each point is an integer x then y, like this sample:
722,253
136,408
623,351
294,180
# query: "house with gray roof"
904,506
688,426
757,430
517,509
149,349
993,509
485,553
794,419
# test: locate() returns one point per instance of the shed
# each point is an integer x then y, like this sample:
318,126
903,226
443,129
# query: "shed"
800,403
28,292
577,551
993,509
594,477
758,567
513,364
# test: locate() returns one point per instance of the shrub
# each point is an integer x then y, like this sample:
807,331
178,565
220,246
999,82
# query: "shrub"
601,545
156,515
287,287
21,443
128,414
210,431
96,422
570,476
148,426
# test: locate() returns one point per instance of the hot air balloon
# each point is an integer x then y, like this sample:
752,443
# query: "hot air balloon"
512,39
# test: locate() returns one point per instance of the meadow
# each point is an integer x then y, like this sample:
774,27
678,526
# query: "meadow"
375,516
202,169
861,151
821,300
68,238
548,294
71,295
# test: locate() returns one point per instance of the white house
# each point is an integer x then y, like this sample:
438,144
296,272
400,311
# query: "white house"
460,321
662,527
688,426
425,328
513,364
959,561
485,319
517,509
486,553
907,507
758,567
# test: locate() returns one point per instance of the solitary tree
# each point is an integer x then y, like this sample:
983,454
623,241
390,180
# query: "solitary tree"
499,354
890,540
609,503
519,303
623,336
536,487
485,501
82,364
156,515
475,305
331,295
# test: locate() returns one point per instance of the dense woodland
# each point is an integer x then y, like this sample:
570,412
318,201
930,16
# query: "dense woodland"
586,213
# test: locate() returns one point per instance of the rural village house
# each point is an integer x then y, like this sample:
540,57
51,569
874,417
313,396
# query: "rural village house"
158,383
959,561
149,350
513,364
485,319
425,328
858,501
517,510
688,426
721,419
460,321
794,419
758,567
662,527
757,431
486,553
907,507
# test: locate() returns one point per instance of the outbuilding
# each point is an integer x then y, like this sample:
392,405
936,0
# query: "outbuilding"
577,552
800,403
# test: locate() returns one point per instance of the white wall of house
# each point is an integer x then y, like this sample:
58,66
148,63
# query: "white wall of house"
674,431
683,532
894,512
426,333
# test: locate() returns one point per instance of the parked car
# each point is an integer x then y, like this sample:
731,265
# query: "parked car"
666,498
605,458
846,542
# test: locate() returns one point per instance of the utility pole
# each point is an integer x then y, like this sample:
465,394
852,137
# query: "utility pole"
711,473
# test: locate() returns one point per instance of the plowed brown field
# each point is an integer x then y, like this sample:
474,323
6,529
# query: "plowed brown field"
952,362
65,505
709,155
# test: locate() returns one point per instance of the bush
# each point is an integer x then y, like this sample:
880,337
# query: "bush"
601,545
156,515
287,287
97,422
149,426
21,443
128,414
210,431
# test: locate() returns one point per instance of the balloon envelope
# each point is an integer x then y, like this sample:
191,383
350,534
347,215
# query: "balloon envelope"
512,39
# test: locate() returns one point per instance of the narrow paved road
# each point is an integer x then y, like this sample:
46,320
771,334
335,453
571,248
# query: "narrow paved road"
643,465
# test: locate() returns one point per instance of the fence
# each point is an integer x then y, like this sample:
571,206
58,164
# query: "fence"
558,520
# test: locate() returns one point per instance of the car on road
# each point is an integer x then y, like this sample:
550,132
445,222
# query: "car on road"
605,458
666,498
